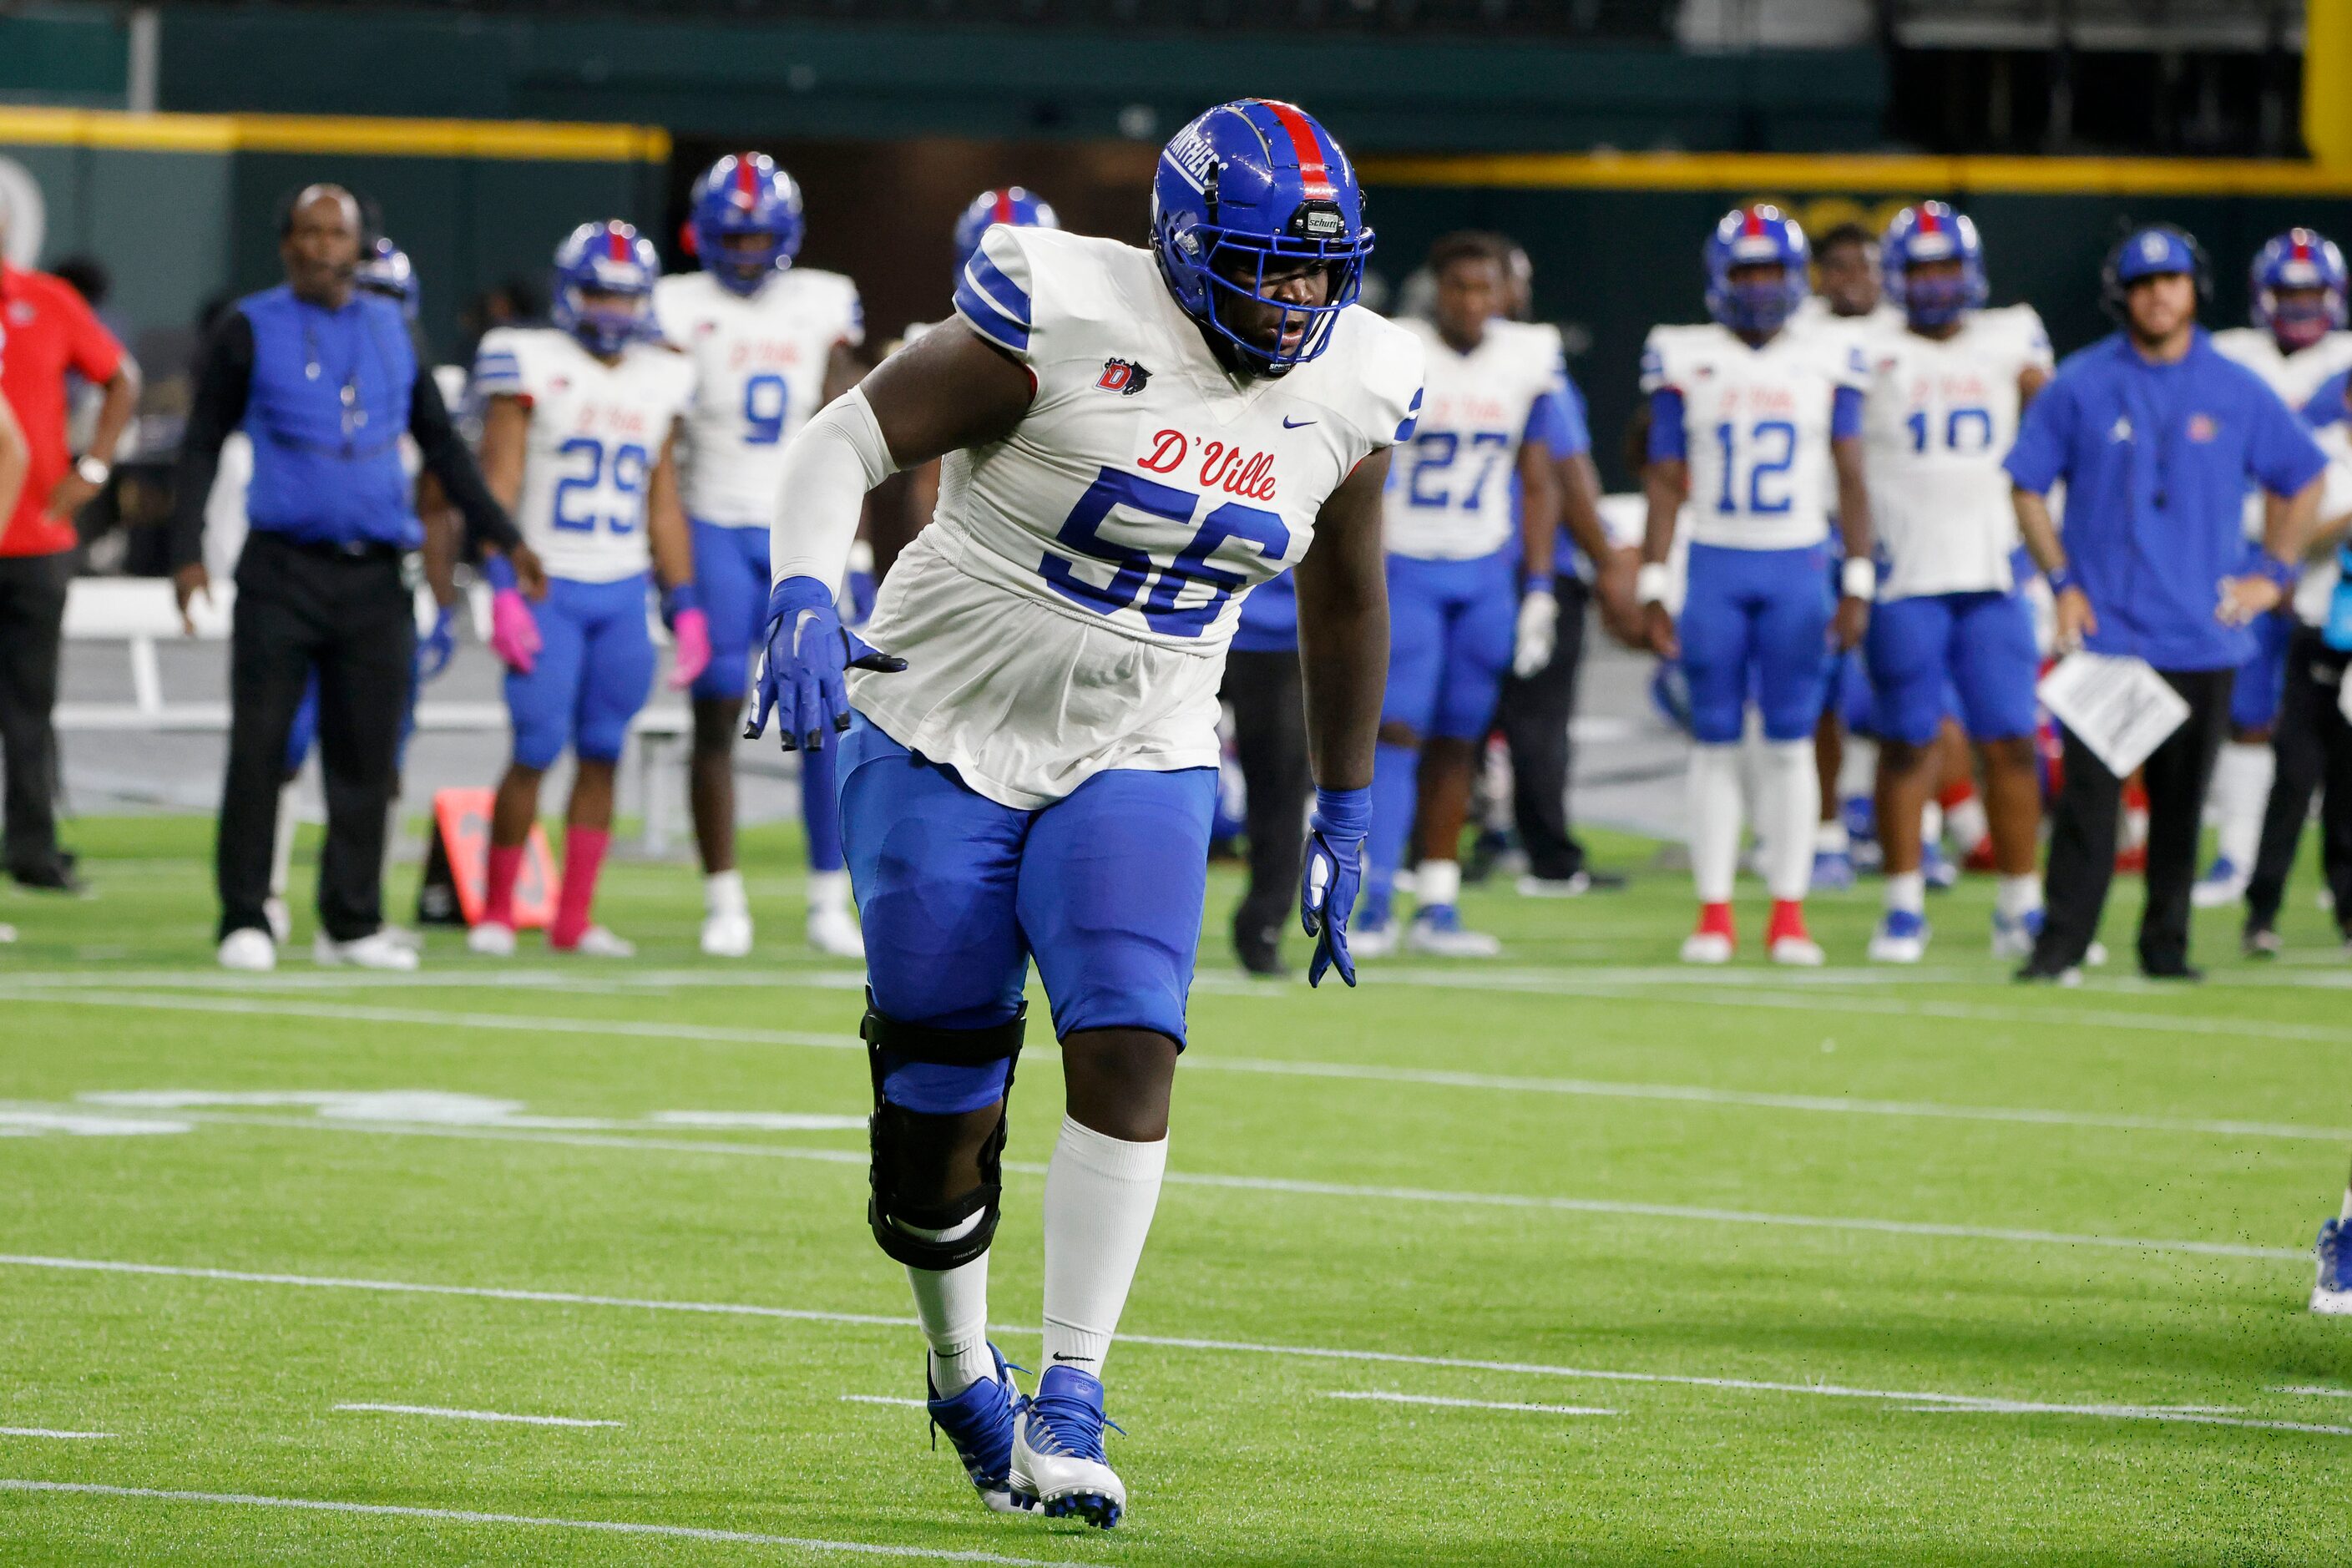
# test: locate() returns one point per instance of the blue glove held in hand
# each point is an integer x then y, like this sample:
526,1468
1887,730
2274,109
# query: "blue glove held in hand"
436,647
800,681
1335,871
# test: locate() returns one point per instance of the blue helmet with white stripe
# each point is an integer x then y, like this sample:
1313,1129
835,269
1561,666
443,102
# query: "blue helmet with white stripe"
742,196
1012,205
2298,288
1758,236
1249,196
1930,232
385,269
605,276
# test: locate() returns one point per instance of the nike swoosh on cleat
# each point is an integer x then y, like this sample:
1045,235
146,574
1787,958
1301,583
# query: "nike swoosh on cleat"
1290,423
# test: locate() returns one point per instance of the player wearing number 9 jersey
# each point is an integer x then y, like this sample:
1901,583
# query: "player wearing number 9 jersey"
577,427
1758,428
1133,439
770,343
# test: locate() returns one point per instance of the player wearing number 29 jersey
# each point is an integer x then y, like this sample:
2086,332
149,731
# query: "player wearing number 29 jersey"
1133,439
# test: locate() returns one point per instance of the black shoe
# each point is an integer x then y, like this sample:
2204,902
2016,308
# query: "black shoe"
2261,941
2173,969
55,876
2038,971
1261,953
1485,851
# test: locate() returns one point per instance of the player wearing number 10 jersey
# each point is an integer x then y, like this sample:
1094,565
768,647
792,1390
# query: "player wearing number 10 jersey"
1133,439
1753,424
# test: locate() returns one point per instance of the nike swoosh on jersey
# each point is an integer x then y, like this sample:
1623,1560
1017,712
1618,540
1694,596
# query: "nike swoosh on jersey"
1290,423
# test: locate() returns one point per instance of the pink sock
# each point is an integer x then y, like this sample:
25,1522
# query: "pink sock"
583,856
505,869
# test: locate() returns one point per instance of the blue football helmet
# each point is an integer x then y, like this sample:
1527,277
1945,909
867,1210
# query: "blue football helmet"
744,193
613,259
1014,204
2300,258
1758,236
385,269
1933,231
1252,186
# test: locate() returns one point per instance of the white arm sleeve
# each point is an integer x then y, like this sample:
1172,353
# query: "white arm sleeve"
837,457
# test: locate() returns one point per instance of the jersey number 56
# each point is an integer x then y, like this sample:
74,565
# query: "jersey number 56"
1138,571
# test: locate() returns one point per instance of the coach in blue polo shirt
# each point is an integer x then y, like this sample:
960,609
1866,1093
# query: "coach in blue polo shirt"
2157,436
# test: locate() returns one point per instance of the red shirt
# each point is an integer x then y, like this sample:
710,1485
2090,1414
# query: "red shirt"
45,329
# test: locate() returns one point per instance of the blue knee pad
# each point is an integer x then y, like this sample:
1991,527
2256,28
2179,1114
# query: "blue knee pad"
731,575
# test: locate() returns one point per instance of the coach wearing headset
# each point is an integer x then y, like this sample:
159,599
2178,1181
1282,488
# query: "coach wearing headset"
2157,436
325,380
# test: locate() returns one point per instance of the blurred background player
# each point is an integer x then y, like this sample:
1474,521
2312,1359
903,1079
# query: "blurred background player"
1945,393
1758,428
2297,340
1466,600
770,343
579,429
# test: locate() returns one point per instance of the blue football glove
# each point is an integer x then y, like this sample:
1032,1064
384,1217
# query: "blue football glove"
800,681
1335,871
436,647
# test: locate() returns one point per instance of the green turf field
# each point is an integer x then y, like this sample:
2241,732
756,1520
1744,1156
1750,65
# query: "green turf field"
1577,1256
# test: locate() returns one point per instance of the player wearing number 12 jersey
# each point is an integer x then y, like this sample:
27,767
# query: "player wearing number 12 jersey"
1758,428
770,343
1133,439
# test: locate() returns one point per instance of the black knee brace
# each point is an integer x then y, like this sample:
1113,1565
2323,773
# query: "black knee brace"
887,1211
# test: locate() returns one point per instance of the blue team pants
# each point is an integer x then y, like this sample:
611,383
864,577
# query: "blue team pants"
1933,654
595,670
1756,620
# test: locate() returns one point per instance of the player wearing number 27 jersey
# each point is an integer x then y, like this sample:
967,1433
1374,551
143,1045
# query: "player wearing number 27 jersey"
1133,439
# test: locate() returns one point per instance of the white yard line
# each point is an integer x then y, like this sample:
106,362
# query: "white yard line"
446,1414
48,1432
1469,1404
883,1399
2315,1391
2187,1414
462,1516
1165,1341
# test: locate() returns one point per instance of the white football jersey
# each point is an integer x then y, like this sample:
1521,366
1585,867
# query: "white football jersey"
1939,417
1813,314
596,432
1756,425
2293,377
1449,496
1069,606
760,363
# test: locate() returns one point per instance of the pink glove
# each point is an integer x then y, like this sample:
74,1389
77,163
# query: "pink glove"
691,635
514,633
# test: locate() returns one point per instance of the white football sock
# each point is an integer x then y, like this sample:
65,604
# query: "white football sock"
1715,821
2241,794
1906,891
1931,826
1830,838
1857,768
1968,824
1099,1195
2017,897
1437,882
828,891
953,1306
722,894
1790,810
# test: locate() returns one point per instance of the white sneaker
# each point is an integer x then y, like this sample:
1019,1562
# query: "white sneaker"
280,918
491,940
248,950
835,934
2096,955
1438,932
598,942
414,941
7,934
377,950
727,936
1057,1451
1373,941
1796,953
2221,885
1901,938
1574,887
1706,947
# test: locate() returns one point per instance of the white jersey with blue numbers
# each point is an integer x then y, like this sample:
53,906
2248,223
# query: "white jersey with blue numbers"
1069,608
1450,496
596,432
760,364
1756,425
1940,415
2293,377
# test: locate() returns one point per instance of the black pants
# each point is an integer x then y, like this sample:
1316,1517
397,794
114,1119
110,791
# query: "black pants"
32,615
2082,832
1534,714
2314,747
348,617
1270,742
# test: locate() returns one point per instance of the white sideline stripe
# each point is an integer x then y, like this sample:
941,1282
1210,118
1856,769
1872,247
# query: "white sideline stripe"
1474,1404
1164,1341
2124,1413
1315,1189
2313,1389
462,1516
883,1399
476,1414
1210,1062
47,1431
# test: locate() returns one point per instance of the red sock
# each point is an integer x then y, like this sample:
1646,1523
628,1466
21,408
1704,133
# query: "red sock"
583,856
1788,920
1956,795
505,869
1715,919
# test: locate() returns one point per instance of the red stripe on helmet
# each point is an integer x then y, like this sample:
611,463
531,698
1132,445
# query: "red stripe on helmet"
1003,210
1928,222
1301,132
617,243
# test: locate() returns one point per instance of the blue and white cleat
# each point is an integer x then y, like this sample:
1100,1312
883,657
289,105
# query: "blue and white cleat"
1833,870
1901,938
1374,937
1437,930
2013,936
1942,872
2223,883
1057,1450
980,1423
2332,1296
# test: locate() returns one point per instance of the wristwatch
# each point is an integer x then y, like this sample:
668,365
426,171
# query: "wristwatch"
93,471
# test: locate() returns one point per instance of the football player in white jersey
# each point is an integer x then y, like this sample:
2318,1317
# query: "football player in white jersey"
579,426
2297,340
1457,621
1946,391
771,344
1760,430
1133,439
